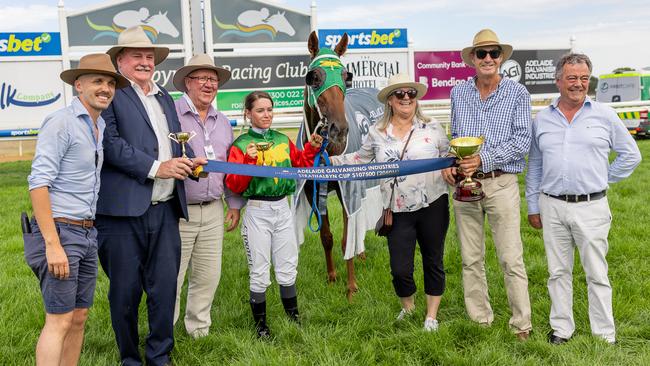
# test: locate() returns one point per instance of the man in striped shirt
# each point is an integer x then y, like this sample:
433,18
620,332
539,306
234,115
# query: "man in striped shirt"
498,109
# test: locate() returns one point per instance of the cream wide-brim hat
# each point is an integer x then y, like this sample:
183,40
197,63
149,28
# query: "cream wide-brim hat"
486,37
401,81
94,63
135,37
199,62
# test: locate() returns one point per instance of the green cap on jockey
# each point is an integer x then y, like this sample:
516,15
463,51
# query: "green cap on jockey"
328,61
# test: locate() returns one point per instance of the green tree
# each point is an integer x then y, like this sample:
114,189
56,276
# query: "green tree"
621,70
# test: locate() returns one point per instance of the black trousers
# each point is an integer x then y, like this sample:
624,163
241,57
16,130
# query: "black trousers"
429,227
142,254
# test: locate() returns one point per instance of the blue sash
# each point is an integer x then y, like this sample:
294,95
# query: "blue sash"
334,173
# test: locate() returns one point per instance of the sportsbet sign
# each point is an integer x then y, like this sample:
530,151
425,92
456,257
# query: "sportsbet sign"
30,44
364,38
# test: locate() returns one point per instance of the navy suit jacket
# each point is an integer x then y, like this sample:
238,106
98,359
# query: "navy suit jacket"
130,149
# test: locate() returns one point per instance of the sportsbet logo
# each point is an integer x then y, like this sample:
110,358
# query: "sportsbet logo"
14,44
367,38
30,44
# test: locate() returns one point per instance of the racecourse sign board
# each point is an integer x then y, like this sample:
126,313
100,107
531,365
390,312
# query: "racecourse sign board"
247,21
29,91
30,44
364,38
442,70
160,19
372,69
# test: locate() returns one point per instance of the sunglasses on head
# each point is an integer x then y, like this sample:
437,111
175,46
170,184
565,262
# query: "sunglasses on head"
401,94
481,53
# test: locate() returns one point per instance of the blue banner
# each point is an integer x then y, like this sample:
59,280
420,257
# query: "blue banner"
30,44
364,38
334,173
19,132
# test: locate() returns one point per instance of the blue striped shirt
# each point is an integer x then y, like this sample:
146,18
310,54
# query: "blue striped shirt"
68,160
573,158
503,118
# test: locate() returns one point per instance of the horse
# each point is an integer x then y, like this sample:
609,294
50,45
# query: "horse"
158,22
278,22
328,105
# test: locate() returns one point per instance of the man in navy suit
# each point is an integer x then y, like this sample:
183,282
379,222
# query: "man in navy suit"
140,201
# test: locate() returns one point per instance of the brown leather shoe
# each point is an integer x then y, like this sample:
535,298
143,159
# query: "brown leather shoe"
523,336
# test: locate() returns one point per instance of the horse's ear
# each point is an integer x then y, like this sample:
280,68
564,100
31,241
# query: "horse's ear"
342,46
312,44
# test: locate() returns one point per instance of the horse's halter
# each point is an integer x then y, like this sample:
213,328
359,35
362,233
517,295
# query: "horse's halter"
325,71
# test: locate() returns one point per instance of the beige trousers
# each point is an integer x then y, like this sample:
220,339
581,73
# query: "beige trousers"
501,205
584,225
201,249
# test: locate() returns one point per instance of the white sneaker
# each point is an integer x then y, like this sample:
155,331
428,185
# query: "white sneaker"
430,325
403,314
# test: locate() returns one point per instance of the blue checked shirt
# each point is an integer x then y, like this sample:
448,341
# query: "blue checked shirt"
573,158
68,160
504,119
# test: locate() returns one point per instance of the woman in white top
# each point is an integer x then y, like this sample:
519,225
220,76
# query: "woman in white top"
420,202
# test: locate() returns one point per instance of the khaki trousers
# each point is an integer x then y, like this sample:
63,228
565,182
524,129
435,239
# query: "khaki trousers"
201,249
501,205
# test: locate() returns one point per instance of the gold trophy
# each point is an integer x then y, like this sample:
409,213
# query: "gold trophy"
263,146
182,138
467,190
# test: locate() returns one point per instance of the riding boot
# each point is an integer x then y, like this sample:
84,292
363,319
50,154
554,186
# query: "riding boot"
291,308
259,315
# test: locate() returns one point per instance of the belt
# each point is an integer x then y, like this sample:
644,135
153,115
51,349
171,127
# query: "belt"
266,198
85,223
579,197
492,174
204,203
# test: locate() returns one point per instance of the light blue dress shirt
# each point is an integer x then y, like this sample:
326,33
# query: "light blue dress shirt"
68,160
503,118
573,158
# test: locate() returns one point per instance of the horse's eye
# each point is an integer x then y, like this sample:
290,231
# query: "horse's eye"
347,78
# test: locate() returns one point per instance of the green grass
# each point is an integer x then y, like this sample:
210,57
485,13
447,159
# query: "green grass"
335,332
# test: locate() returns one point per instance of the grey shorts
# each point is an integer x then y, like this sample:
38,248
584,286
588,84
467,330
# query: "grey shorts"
77,291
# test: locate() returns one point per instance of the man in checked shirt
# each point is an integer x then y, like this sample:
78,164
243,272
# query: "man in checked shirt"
498,109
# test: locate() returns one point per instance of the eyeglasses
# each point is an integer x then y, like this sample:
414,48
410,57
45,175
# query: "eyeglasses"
481,53
204,79
401,94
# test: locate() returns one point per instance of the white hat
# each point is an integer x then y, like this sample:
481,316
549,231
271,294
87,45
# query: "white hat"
401,81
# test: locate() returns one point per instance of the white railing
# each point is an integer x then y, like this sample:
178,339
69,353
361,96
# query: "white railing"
440,110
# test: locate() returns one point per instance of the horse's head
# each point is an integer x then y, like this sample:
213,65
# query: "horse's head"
280,23
327,81
161,23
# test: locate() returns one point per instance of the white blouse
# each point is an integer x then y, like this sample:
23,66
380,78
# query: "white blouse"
415,191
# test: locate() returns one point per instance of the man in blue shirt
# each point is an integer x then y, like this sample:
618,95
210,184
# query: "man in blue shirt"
498,109
566,185
61,248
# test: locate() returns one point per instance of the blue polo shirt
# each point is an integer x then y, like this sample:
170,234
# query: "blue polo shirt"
68,161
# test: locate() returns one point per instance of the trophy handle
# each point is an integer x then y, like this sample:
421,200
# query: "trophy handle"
173,137
192,135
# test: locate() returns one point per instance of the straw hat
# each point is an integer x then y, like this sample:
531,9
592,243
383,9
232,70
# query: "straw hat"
401,81
135,37
95,63
486,37
199,62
